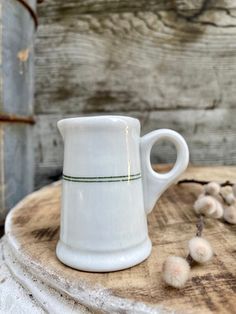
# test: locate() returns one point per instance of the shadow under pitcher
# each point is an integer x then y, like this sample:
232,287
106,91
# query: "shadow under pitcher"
108,189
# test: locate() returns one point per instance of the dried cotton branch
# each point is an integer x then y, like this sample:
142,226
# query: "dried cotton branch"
217,200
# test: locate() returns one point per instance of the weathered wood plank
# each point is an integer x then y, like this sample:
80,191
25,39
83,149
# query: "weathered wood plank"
17,165
17,57
2,183
165,62
32,231
210,135
16,98
58,8
135,61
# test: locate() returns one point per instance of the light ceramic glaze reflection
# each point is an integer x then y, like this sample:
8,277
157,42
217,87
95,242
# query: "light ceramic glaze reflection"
108,189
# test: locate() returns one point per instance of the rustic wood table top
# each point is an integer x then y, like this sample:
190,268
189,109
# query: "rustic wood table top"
32,231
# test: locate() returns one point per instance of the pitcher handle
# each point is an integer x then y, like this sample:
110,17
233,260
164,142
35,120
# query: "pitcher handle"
154,183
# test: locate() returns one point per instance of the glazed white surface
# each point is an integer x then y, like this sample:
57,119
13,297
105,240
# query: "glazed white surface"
108,188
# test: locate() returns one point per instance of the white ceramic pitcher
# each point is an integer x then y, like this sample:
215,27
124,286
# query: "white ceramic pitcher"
109,187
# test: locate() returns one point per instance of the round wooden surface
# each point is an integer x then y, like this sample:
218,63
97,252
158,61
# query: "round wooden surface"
32,231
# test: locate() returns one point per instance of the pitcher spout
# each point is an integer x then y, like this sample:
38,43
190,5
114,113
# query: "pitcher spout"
60,126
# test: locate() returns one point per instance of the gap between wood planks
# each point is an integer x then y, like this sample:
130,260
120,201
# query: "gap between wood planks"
1,231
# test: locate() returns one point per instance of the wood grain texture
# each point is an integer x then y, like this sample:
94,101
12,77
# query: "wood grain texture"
17,29
59,7
135,61
171,63
210,135
32,232
16,161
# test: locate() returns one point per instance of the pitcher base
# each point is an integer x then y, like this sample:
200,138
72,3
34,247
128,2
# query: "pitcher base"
103,262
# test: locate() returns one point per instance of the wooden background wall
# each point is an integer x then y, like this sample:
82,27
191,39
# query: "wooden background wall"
170,63
17,30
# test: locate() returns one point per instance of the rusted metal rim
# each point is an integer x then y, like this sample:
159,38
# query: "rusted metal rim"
12,118
31,12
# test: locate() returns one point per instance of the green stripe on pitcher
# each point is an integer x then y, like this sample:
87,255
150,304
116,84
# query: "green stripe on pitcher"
102,179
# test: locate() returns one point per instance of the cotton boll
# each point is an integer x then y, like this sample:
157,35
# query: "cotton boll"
205,205
230,214
226,190
212,188
175,271
230,198
200,250
219,210
227,194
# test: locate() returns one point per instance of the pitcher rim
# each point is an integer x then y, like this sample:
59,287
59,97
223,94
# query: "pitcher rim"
97,118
